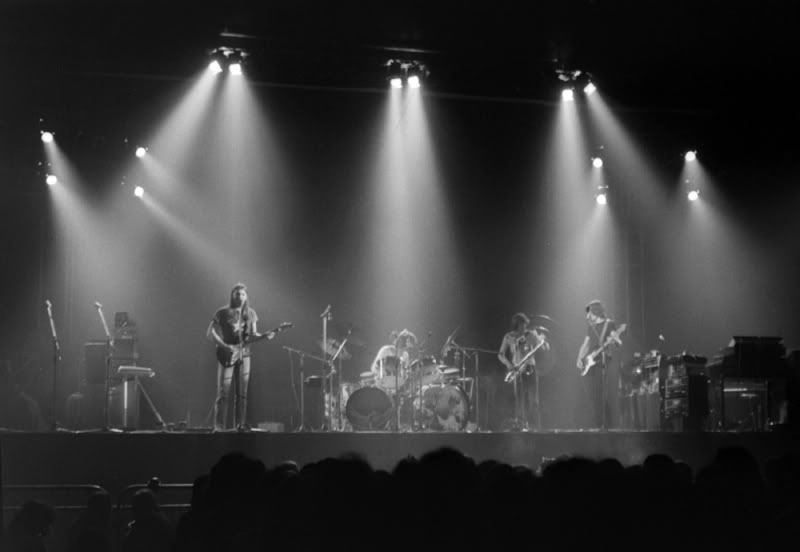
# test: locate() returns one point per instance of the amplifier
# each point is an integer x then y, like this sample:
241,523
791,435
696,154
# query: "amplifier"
683,389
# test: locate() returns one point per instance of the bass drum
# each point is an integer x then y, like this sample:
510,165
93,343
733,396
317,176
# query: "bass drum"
444,408
369,409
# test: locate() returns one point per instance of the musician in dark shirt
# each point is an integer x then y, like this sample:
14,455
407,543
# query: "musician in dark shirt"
232,327
598,330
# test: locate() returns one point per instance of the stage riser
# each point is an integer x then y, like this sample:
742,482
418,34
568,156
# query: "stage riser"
117,460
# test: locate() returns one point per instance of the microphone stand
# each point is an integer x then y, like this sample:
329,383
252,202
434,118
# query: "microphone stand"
109,349
339,381
327,396
302,355
476,355
56,360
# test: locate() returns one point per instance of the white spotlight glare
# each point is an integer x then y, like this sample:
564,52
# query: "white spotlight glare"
51,180
601,199
47,137
693,195
568,95
597,162
215,67
141,152
414,82
235,68
138,191
396,82
690,155
589,89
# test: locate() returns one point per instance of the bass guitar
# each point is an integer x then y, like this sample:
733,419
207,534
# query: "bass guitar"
228,357
591,359
520,367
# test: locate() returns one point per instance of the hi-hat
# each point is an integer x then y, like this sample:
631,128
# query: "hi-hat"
333,346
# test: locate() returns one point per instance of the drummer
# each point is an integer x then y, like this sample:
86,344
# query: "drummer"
403,348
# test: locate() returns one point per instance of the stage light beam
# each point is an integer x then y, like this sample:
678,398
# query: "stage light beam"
47,137
602,199
568,95
589,89
693,195
396,82
138,191
413,81
51,180
597,162
141,152
235,68
690,156
215,67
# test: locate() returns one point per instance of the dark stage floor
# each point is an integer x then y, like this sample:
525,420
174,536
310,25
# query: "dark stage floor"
115,460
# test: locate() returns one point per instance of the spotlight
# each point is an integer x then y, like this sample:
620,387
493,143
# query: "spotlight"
693,195
215,67
141,152
51,180
138,191
568,95
690,156
597,162
395,73
602,195
235,68
47,137
589,89
413,81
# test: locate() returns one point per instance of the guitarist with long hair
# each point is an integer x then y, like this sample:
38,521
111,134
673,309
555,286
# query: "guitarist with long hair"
602,334
518,354
231,329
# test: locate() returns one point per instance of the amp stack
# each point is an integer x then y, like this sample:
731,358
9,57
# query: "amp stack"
683,393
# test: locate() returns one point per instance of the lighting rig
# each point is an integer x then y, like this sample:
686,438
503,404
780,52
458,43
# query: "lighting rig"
410,73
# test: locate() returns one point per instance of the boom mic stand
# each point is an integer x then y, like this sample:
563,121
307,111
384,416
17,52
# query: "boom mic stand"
56,360
109,350
328,397
476,355
302,355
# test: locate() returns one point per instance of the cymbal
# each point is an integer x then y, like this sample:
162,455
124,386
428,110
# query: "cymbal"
333,346
543,317
351,332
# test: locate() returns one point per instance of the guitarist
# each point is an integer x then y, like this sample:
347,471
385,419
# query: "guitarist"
230,329
598,328
515,347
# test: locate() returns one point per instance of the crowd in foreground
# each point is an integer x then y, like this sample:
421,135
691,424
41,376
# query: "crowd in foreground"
445,500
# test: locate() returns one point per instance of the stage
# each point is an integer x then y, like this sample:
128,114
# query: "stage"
116,460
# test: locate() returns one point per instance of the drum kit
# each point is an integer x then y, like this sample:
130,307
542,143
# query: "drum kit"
423,395
403,392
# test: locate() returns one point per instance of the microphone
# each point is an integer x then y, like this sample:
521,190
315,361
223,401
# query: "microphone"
326,312
98,305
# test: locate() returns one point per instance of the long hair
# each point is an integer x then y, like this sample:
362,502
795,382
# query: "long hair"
519,320
234,289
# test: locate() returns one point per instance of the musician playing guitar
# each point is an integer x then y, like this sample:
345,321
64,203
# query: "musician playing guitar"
232,329
518,354
602,335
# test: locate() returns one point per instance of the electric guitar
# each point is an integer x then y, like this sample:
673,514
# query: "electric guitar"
591,359
520,367
227,358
